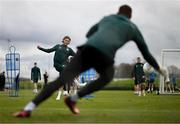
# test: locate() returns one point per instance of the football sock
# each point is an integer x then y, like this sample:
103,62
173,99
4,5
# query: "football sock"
65,93
30,106
75,91
59,95
74,97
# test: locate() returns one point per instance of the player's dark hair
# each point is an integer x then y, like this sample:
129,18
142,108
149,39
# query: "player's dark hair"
125,10
66,37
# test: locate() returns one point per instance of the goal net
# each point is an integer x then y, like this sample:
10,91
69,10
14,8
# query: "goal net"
170,60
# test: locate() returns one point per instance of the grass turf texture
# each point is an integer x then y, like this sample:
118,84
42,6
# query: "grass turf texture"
127,84
105,107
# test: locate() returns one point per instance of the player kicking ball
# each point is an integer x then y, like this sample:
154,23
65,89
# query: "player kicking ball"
104,39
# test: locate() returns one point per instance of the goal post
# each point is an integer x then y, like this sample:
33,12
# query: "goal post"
163,51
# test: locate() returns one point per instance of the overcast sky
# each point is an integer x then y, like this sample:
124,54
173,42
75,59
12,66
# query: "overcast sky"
28,23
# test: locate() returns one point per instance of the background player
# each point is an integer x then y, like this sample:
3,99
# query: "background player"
167,82
62,52
2,81
45,75
35,76
151,79
139,77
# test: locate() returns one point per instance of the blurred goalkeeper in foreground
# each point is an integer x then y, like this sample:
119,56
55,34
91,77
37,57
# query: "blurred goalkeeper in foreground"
104,39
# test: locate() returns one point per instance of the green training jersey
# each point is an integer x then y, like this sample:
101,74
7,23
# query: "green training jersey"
138,71
112,32
62,52
35,74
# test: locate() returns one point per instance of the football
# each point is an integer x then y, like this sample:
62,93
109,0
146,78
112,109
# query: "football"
148,68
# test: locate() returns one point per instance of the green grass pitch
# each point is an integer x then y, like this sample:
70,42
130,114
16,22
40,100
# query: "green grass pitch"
105,107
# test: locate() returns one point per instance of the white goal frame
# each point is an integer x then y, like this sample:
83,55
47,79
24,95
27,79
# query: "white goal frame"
163,51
